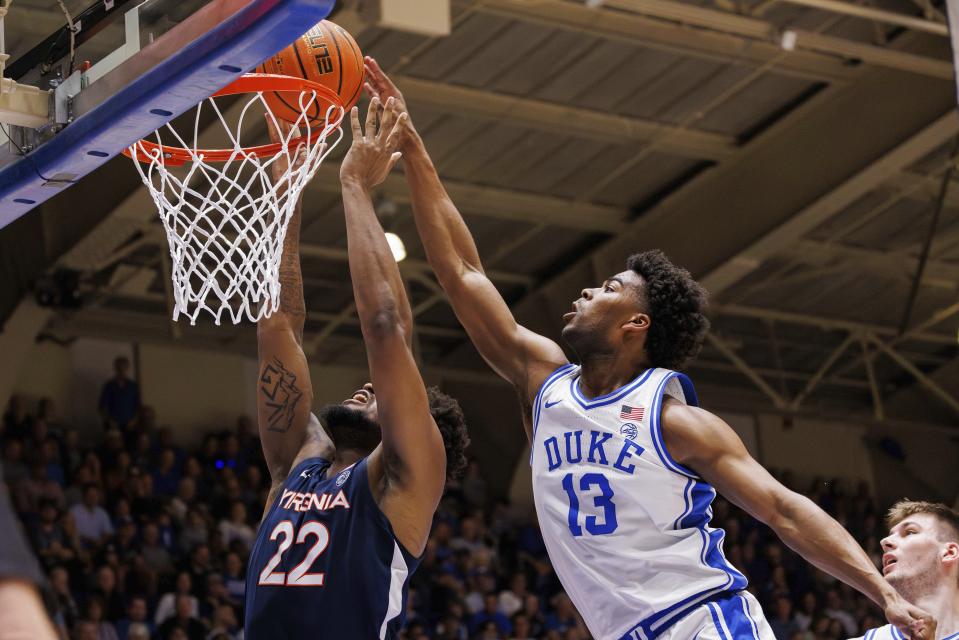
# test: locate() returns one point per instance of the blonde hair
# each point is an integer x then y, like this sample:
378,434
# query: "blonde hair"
948,519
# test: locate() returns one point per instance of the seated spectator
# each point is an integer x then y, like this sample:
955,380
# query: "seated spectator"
92,521
166,478
94,614
120,396
522,629
16,421
511,600
490,614
14,468
224,624
38,488
105,589
835,610
168,604
563,617
781,620
49,539
155,555
63,596
236,528
183,623
136,616
233,579
195,531
185,496
138,631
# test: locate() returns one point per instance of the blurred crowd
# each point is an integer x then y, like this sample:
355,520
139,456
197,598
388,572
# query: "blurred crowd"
144,539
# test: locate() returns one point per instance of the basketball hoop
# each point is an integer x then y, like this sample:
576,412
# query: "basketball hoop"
225,217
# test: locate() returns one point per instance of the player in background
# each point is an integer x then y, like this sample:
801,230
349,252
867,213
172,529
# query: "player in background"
353,492
921,560
624,463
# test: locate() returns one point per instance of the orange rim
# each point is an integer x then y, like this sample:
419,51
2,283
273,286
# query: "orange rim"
147,151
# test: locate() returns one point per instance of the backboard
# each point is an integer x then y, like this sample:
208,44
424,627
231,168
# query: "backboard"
149,61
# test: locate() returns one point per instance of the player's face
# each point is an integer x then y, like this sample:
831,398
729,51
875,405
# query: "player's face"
364,401
352,424
600,312
911,552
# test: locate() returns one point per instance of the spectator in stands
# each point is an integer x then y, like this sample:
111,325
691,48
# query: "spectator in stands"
169,602
781,620
490,613
105,589
835,610
92,521
183,622
94,615
120,396
38,488
16,421
236,527
136,615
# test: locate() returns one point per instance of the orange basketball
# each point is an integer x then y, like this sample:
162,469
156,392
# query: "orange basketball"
326,54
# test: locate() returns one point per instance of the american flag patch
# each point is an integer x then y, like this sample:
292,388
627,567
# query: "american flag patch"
632,413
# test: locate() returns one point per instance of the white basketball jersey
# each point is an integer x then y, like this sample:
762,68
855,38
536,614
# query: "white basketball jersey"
889,632
626,526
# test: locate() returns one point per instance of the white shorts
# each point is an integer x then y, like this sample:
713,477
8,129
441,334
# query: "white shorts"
734,617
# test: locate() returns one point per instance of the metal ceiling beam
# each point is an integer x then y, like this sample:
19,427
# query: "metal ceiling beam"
893,264
924,187
875,15
409,264
754,28
678,39
566,120
828,324
845,194
718,343
920,377
504,204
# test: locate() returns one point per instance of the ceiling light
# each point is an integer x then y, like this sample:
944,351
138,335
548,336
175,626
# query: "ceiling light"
396,246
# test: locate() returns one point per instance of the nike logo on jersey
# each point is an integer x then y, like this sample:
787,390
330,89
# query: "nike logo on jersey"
552,404
304,474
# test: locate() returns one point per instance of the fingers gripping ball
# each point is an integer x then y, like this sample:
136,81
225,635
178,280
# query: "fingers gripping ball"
325,54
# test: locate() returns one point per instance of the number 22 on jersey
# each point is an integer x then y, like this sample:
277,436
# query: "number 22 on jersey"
299,576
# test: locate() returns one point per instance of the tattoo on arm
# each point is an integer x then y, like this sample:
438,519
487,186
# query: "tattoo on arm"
278,386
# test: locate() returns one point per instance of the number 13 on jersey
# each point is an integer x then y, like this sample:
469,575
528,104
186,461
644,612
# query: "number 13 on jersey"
594,524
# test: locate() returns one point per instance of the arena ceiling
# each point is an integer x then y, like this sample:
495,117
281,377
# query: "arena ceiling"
790,153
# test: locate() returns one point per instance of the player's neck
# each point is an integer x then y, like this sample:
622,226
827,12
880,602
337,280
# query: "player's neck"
344,459
604,374
943,604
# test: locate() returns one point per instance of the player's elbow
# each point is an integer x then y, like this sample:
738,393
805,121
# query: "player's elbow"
384,324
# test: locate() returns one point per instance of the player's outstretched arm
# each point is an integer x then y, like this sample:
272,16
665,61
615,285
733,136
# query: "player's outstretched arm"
284,394
411,460
707,445
520,356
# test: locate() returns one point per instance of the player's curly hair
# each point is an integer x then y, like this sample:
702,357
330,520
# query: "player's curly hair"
676,305
449,418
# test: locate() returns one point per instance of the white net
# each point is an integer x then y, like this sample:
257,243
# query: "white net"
226,211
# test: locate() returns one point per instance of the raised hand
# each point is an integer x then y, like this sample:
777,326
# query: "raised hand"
374,152
378,85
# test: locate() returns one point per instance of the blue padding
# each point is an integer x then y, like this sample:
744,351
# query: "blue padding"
188,77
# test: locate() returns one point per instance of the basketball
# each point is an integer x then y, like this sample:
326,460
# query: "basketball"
325,54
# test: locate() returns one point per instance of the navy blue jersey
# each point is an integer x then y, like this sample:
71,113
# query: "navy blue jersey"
326,563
